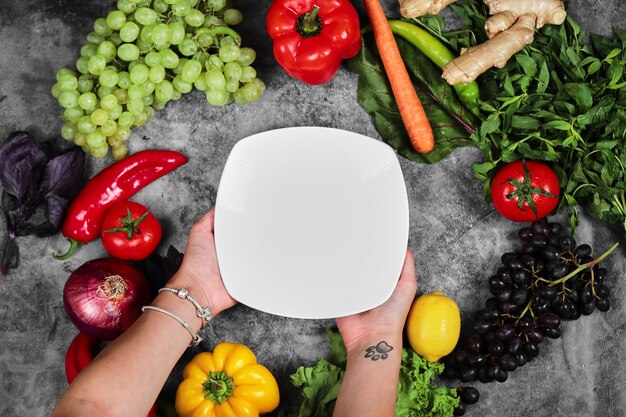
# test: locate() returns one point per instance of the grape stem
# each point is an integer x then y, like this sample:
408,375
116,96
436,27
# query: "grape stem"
223,30
524,311
582,267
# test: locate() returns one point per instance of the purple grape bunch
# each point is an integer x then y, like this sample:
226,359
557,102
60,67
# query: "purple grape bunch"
549,280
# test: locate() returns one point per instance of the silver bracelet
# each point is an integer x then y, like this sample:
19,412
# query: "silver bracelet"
195,339
183,293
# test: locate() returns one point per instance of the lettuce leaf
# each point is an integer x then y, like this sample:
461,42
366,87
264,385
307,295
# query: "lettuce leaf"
417,396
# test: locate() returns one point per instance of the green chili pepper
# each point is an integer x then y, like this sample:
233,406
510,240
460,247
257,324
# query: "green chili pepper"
439,54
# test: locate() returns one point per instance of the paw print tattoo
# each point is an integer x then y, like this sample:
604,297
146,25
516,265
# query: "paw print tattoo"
380,351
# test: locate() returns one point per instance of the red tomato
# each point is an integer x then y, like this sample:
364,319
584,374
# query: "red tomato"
525,191
130,231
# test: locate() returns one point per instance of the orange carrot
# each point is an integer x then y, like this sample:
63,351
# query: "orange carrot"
411,110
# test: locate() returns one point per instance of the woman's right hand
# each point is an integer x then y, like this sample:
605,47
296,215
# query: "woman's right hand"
388,318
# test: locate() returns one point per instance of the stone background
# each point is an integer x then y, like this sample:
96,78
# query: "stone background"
456,237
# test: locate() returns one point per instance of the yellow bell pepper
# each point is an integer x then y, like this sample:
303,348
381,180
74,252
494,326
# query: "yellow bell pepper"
226,383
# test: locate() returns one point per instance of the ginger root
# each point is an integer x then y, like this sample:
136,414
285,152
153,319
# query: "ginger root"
499,23
547,12
494,52
511,27
414,8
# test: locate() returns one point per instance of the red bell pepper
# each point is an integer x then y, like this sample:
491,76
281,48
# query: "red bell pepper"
311,37
79,354
118,182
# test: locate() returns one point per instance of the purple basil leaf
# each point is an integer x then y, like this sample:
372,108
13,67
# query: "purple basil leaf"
10,254
55,208
63,175
11,210
9,202
21,161
43,229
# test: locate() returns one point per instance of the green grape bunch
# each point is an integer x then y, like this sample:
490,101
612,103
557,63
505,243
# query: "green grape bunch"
144,54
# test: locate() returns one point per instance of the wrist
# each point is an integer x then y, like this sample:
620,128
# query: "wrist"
182,280
381,342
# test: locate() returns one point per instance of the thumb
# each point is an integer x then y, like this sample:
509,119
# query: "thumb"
407,283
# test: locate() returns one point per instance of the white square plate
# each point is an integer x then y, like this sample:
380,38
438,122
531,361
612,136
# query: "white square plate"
311,222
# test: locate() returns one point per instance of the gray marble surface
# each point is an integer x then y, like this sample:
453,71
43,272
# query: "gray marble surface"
457,238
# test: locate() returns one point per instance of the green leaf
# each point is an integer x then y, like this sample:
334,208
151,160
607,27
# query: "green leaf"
490,125
616,71
571,201
527,63
581,93
615,52
319,387
557,124
417,397
482,170
338,353
450,122
508,86
597,113
607,144
594,67
543,79
525,123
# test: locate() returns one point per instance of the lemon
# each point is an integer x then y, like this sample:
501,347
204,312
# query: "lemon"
433,326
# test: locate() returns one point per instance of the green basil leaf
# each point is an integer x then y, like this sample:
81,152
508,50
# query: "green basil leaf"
615,52
557,124
527,63
616,71
525,122
581,93
597,113
543,79
490,125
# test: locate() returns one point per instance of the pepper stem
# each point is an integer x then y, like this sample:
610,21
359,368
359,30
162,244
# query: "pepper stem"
218,387
73,245
309,24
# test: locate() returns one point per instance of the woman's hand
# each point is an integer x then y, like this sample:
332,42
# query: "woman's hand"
387,318
200,272
373,340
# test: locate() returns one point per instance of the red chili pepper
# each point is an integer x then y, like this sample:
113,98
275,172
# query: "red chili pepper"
79,354
118,182
311,37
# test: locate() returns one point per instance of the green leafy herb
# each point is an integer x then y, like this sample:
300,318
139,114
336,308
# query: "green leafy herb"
451,123
561,100
417,397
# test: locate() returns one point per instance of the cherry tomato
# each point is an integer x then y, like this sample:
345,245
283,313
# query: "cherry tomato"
525,191
130,231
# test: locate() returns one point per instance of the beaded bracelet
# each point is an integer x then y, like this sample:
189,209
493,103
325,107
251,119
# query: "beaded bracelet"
203,313
195,339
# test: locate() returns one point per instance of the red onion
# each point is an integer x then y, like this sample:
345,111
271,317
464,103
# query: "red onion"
104,297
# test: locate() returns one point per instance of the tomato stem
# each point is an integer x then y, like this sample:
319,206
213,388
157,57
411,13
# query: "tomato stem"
129,225
525,191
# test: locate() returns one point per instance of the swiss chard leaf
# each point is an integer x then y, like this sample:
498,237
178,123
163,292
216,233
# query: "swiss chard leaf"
450,123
